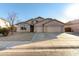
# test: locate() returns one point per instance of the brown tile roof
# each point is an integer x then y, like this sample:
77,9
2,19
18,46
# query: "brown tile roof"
50,19
21,23
35,19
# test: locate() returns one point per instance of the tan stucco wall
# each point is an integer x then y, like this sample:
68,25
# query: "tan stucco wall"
21,25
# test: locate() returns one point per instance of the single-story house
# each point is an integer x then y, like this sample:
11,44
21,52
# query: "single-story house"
40,24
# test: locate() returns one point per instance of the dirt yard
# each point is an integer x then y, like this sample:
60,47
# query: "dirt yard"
40,44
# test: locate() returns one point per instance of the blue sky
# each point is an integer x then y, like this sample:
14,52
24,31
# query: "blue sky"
30,10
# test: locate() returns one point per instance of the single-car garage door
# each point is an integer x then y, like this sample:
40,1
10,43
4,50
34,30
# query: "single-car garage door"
54,29
39,29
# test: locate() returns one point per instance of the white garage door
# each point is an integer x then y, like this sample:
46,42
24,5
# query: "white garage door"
54,29
39,29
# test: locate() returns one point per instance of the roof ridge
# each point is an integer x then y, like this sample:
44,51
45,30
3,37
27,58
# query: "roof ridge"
55,20
43,21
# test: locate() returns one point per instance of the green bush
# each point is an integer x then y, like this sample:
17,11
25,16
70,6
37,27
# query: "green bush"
4,31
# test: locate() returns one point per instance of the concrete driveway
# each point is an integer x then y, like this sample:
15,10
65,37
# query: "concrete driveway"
18,36
15,39
41,44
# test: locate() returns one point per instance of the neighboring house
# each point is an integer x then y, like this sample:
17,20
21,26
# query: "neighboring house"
72,26
4,23
40,24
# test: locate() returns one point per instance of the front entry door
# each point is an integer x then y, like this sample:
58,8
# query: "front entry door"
31,28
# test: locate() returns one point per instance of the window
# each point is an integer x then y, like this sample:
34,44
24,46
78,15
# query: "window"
23,28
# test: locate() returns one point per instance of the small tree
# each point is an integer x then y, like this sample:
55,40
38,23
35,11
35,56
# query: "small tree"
12,19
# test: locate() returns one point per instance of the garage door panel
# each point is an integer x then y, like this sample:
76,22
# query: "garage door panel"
54,29
39,29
